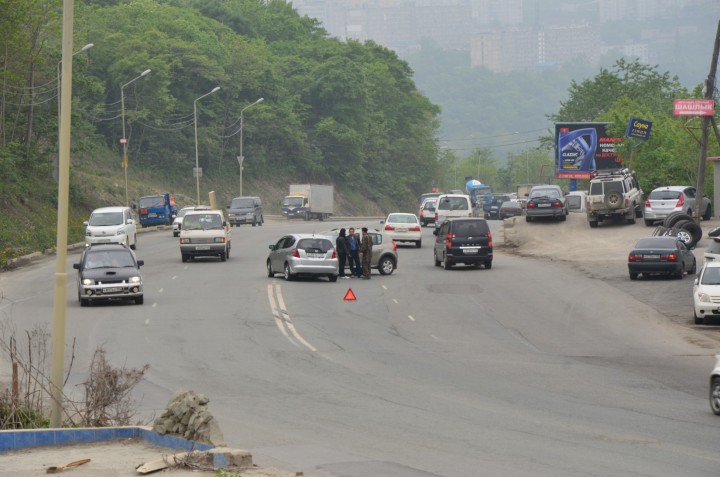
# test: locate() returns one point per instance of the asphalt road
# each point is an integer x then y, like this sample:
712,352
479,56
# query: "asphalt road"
537,367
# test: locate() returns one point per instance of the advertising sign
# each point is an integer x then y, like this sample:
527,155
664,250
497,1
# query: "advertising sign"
694,107
639,129
583,148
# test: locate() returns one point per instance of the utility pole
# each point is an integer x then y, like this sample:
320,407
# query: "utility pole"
709,94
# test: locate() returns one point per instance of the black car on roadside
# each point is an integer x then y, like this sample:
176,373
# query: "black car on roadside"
661,256
109,272
465,241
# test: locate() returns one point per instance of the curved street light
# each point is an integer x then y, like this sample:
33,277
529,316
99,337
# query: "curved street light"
123,140
59,84
241,158
197,163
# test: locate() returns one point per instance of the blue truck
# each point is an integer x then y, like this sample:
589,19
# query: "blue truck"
159,209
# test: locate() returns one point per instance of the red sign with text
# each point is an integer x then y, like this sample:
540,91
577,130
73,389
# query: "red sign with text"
694,107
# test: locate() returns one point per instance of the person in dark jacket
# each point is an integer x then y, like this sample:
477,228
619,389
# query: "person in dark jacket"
353,243
341,247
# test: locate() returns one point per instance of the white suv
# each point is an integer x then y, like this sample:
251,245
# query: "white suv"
614,194
111,225
205,233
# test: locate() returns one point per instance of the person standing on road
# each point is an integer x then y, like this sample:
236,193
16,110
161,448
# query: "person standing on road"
341,246
353,253
366,245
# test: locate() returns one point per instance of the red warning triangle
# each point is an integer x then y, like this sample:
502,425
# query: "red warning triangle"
350,296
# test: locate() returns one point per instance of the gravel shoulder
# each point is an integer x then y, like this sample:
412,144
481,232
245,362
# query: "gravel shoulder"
601,253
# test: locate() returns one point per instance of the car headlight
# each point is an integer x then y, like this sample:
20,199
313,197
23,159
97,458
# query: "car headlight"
703,297
134,280
88,281
185,240
219,239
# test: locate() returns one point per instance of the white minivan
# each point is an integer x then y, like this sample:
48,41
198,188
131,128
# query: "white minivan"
450,206
111,225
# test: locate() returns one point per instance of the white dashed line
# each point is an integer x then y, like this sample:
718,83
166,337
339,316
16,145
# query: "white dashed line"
161,290
384,287
411,318
396,302
435,337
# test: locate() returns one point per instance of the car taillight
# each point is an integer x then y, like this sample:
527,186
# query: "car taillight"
334,255
489,239
448,240
647,203
634,258
557,204
671,257
680,201
414,229
531,205
389,227
394,246
143,211
295,253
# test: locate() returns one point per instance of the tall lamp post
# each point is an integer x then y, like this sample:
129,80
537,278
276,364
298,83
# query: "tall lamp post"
197,162
241,158
59,87
123,140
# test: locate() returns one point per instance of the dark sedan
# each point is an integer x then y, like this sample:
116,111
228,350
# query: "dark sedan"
510,208
661,256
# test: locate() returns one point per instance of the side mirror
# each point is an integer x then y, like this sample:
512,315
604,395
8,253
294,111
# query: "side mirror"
86,223
130,221
272,247
76,266
134,206
435,232
140,263
382,221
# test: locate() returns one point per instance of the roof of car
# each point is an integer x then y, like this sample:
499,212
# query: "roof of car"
675,188
199,210
712,264
118,208
107,246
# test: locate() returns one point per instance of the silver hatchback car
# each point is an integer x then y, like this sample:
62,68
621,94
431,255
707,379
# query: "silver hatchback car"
297,255
668,199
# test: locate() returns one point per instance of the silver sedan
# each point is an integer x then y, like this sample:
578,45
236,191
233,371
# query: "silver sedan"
297,255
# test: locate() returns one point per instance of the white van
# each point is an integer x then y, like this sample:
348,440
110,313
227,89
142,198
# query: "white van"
450,206
576,201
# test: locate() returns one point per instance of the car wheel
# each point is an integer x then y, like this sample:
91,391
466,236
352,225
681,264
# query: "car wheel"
223,256
613,200
386,266
254,222
446,264
715,396
648,223
134,244
528,218
638,212
674,218
332,278
593,223
184,258
262,220
139,300
176,234
708,213
271,274
685,236
693,269
227,253
634,275
418,244
698,320
435,259
695,230
563,218
680,273
288,275
488,265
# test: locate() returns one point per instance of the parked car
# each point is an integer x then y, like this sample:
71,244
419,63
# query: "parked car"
661,256
108,272
492,208
297,255
612,195
510,208
706,293
576,201
715,387
402,227
384,252
429,195
111,225
205,233
178,220
427,211
451,206
463,240
663,201
546,201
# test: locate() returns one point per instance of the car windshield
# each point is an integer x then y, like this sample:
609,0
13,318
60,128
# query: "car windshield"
202,222
510,205
453,203
151,201
315,245
711,276
292,202
401,219
613,186
106,218
551,193
664,195
242,203
656,242
108,259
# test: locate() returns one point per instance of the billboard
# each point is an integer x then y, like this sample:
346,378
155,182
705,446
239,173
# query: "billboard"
582,148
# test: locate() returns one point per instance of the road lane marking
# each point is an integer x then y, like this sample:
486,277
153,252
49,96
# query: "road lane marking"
384,287
283,319
394,300
161,290
434,337
411,318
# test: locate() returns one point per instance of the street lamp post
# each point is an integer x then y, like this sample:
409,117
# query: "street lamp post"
59,85
241,158
197,162
123,140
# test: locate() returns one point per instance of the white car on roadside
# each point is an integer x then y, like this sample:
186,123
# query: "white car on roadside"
403,227
111,225
178,220
706,292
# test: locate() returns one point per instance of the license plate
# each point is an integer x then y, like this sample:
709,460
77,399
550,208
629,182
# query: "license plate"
112,290
202,247
401,229
470,251
315,255
152,215
651,256
543,205
104,241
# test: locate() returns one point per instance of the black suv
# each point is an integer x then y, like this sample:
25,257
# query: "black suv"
463,240
109,271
